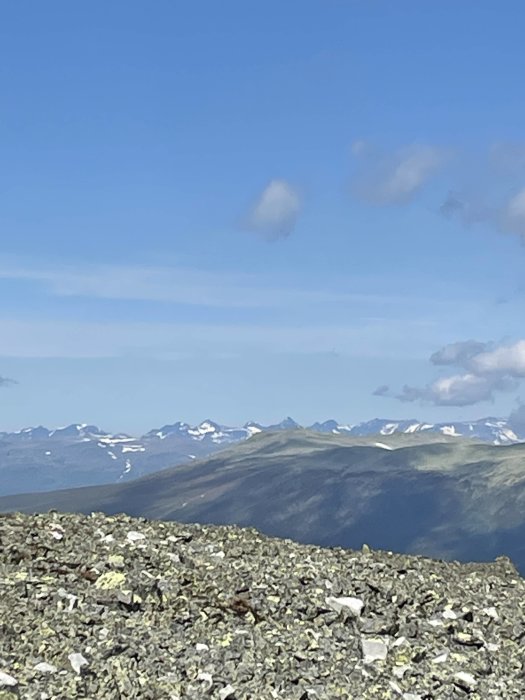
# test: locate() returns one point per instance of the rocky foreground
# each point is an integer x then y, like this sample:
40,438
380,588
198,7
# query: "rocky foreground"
115,607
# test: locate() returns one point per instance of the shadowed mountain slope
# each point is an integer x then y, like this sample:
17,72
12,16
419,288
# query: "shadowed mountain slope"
448,498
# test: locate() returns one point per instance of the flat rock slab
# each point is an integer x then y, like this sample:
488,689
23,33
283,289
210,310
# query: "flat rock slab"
118,607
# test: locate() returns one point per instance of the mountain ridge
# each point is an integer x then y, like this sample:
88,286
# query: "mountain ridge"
490,428
81,454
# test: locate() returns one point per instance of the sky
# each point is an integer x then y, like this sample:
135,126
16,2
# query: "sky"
247,210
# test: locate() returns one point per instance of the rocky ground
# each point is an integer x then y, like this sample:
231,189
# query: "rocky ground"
115,607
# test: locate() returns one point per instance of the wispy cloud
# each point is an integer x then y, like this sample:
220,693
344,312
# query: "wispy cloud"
176,285
275,213
205,288
490,190
162,340
395,178
468,209
382,390
459,353
504,216
5,381
488,368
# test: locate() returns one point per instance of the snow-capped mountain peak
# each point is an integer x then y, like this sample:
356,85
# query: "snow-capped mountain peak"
80,454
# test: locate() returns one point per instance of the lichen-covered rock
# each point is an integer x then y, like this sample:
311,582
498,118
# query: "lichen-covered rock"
117,607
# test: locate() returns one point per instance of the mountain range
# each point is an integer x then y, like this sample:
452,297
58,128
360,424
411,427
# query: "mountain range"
41,459
429,493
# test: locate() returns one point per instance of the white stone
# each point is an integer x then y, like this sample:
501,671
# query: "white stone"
134,536
354,605
399,671
373,650
395,687
44,667
435,622
449,614
491,612
77,661
205,677
441,658
201,647
6,679
466,679
399,642
226,692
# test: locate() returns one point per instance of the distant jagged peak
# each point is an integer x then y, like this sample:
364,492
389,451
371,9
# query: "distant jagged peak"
287,423
74,430
492,429
77,430
330,426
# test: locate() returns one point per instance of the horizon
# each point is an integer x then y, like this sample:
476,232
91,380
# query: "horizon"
192,424
228,208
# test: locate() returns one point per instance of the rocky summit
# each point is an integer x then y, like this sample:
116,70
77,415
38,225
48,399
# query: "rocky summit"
116,607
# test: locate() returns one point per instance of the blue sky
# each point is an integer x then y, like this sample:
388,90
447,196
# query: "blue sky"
248,210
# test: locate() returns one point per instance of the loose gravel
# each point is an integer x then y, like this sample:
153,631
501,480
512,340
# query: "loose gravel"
117,607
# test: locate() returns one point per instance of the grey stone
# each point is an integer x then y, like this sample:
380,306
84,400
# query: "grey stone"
255,623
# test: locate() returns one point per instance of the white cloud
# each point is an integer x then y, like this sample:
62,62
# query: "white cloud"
275,212
457,390
395,178
489,369
505,359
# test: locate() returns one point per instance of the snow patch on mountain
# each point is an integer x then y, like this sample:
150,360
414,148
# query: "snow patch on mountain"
211,435
383,446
